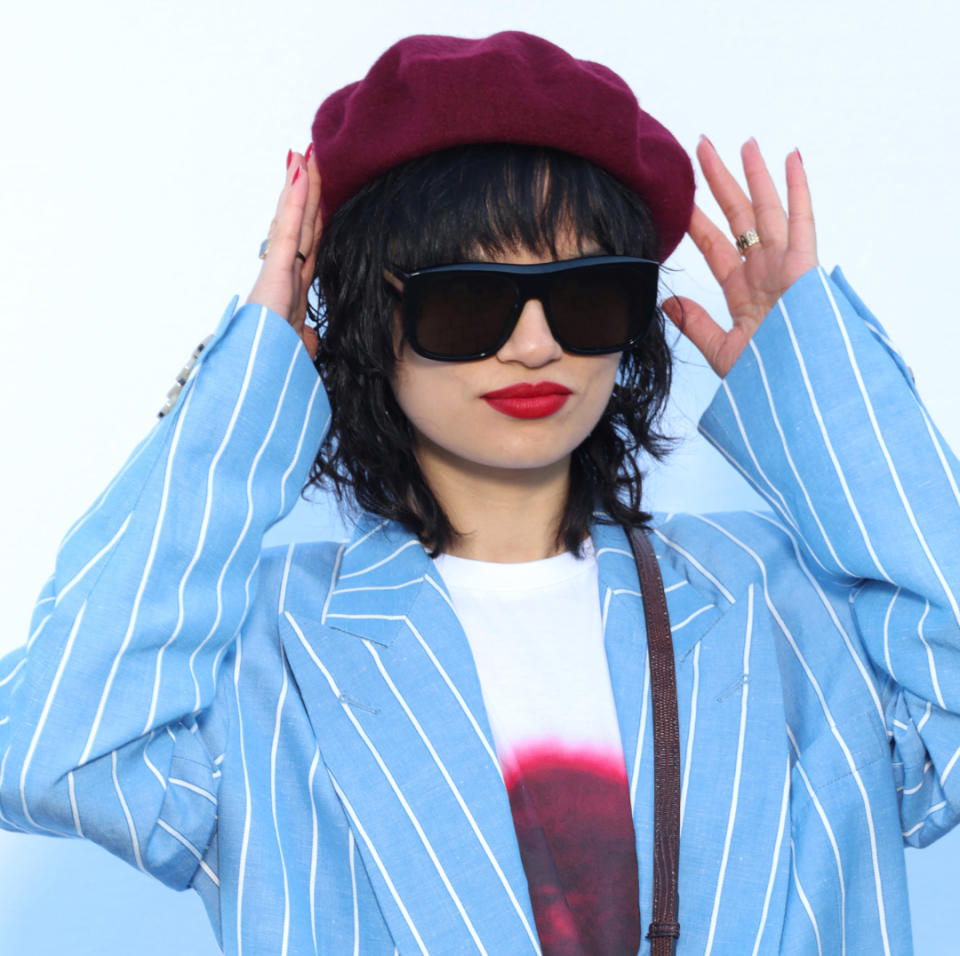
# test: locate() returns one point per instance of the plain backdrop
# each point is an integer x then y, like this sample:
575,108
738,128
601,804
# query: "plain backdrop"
143,147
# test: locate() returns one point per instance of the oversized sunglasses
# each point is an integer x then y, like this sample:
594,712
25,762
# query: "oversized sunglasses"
593,306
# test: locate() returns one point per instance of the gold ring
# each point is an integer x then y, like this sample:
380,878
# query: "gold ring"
748,239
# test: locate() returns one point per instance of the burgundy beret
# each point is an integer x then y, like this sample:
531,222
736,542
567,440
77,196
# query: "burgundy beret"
427,93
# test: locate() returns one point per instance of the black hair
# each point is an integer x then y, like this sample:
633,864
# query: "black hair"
441,209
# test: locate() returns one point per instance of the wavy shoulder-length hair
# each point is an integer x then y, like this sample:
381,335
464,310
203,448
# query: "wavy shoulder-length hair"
441,209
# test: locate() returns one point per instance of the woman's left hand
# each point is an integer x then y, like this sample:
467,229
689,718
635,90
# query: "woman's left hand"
751,282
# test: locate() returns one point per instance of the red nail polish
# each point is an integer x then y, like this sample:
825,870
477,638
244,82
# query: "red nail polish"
296,175
308,153
289,157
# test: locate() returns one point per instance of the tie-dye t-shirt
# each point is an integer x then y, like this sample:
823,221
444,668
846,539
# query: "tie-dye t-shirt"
536,636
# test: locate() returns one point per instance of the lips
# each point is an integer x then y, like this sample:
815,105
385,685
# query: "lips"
528,400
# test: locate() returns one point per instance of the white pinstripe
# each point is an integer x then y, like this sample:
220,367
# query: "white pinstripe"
180,838
296,455
858,661
207,505
676,627
887,457
689,557
764,912
951,763
488,852
206,794
886,634
141,587
333,578
835,731
13,672
72,790
804,900
821,813
245,841
353,887
274,746
793,467
376,859
641,732
314,850
398,792
738,767
379,564
815,407
131,827
367,536
934,809
45,713
688,758
774,492
931,664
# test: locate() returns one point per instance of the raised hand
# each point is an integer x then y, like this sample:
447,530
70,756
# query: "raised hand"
753,280
287,270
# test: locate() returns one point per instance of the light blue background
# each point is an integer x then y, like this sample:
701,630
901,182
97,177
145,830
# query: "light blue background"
144,146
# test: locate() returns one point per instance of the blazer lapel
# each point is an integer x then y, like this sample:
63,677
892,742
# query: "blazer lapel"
388,680
732,757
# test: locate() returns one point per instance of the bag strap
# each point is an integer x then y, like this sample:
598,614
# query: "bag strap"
664,928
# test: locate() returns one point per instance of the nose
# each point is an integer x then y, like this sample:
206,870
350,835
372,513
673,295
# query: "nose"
531,343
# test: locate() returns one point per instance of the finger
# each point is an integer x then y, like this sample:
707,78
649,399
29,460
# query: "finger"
277,284
285,234
801,232
733,201
696,324
771,220
308,234
719,252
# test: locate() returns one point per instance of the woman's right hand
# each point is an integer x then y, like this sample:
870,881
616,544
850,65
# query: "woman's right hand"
284,278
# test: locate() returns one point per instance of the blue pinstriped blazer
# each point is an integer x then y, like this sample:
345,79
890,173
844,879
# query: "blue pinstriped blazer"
298,734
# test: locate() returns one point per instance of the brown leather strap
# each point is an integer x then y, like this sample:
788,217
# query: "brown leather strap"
664,928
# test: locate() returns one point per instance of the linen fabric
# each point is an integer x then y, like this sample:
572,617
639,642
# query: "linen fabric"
428,93
299,733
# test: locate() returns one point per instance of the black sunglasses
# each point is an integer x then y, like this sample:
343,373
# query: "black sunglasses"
464,312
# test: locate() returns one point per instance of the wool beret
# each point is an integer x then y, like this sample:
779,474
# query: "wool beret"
428,93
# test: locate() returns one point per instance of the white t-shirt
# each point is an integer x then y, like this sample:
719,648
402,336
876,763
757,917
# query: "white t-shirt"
536,635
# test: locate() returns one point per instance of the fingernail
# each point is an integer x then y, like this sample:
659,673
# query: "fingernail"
308,153
289,157
706,139
296,175
797,151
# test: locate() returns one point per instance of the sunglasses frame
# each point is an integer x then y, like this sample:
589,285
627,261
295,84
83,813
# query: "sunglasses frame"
532,281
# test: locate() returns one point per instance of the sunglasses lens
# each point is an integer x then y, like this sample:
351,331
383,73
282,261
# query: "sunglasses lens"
461,314
603,307
466,313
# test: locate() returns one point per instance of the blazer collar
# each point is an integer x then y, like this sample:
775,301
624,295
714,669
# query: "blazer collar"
385,671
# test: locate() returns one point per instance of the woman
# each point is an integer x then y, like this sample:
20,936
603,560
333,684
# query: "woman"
359,746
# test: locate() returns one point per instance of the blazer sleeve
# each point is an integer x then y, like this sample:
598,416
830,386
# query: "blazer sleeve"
109,720
822,416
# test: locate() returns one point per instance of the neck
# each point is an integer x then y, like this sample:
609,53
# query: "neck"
502,515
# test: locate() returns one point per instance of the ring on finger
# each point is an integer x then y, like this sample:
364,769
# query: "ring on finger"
301,256
746,240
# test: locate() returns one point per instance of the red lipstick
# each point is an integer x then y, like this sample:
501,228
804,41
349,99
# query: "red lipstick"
528,401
